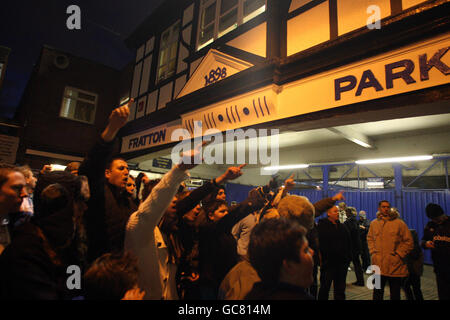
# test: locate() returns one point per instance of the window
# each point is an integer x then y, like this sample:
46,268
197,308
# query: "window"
168,52
218,17
79,105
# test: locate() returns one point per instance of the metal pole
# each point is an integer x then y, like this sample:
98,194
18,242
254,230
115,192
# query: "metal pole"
358,178
326,172
446,172
398,186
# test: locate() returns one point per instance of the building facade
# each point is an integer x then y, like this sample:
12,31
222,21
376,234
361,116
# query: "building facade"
365,76
65,107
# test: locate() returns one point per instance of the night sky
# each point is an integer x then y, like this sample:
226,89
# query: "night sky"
26,25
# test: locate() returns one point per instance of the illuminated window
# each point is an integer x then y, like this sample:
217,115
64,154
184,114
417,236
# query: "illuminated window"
79,105
218,17
168,52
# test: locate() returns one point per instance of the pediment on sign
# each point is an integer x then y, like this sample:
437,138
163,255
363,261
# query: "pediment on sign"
214,67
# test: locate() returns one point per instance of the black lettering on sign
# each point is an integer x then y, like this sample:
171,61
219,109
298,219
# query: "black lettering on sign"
435,61
215,75
405,74
338,89
368,80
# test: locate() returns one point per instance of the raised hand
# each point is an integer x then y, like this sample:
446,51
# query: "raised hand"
46,168
119,116
339,196
134,294
289,183
231,174
117,120
189,158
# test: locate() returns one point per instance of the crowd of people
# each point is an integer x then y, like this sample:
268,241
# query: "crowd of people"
134,238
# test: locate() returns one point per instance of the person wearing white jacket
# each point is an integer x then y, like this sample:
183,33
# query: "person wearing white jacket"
144,239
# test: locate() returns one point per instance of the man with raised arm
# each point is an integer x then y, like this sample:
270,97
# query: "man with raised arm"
109,207
144,238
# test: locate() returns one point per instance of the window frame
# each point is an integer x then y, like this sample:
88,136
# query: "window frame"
217,16
66,96
168,47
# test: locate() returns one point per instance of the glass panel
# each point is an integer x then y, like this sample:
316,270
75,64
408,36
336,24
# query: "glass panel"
162,58
84,111
75,109
165,38
228,20
171,68
209,14
226,5
71,93
68,105
252,5
207,34
173,50
162,72
86,96
175,32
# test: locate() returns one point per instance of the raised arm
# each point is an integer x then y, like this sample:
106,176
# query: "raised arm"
152,209
289,184
188,203
94,164
324,204
254,202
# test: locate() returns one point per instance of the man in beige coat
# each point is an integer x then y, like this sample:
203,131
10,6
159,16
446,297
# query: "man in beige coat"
389,241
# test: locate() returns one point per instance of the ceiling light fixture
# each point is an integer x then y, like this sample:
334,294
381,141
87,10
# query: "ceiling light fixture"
287,167
391,160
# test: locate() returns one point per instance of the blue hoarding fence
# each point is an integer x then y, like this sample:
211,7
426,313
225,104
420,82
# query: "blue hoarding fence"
412,202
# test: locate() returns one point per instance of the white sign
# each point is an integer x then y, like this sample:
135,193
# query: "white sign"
148,138
8,148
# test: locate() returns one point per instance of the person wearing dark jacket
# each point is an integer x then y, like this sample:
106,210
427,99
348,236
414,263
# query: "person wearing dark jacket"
279,252
415,267
178,226
109,207
353,228
35,265
364,225
12,193
336,253
436,237
217,246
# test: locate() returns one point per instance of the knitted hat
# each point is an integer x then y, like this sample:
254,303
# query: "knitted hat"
298,208
434,210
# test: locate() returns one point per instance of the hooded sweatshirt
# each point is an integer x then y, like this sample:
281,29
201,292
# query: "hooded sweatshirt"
390,241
